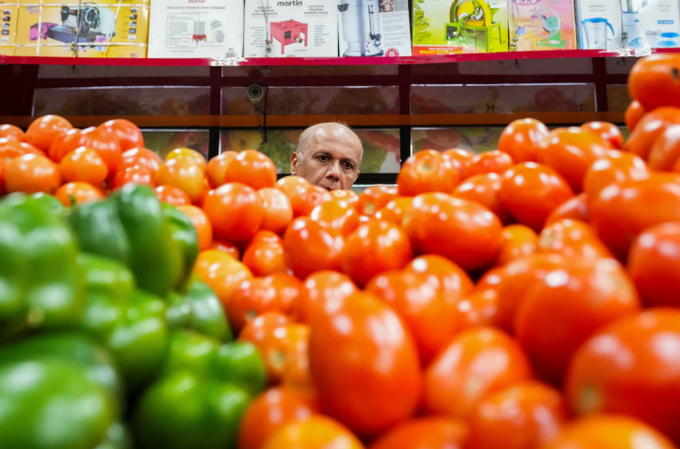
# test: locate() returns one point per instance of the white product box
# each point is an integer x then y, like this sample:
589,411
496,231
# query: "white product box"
196,29
651,23
599,24
284,28
374,28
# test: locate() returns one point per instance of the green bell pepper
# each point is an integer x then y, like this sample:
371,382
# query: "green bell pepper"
40,283
99,231
50,202
185,238
56,392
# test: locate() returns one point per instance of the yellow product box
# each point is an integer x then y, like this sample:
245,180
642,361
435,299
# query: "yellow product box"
8,28
84,3
112,51
88,27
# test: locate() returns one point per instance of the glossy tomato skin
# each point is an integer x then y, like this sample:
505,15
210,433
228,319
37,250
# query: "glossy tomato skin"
572,238
666,149
575,208
631,368
309,247
127,133
490,162
608,432
375,247
443,274
608,131
463,231
521,139
337,214
522,416
427,171
216,168
234,210
252,168
616,166
653,263
653,81
374,198
278,212
320,291
532,191
634,113
368,378
42,132
317,431
484,189
650,127
518,241
424,433
562,310
622,210
447,378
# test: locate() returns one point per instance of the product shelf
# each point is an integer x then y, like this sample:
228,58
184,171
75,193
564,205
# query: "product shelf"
402,60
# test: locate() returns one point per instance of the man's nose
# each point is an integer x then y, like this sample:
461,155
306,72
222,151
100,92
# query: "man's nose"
334,171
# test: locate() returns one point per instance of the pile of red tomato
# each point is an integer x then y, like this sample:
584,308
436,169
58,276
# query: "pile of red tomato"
522,298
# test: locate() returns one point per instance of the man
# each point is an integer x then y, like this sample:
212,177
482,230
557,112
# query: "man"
328,155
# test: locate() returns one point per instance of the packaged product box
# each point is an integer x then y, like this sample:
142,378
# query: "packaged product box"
191,29
459,26
541,25
374,28
8,29
600,24
651,24
95,29
284,28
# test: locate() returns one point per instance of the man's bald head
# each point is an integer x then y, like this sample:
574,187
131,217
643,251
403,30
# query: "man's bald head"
328,155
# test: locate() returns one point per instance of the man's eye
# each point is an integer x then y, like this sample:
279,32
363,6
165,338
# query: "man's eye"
323,158
348,166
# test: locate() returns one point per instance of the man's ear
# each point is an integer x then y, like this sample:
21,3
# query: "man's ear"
357,176
293,163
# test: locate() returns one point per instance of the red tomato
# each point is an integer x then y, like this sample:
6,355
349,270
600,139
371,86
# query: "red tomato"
521,139
85,165
42,132
650,127
531,191
574,208
630,368
276,208
463,231
617,166
665,151
447,380
518,241
442,273
461,160
634,114
127,133
395,210
235,211
217,168
364,365
484,189
424,433
373,198
338,215
77,193
265,257
567,306
375,247
309,247
346,195
252,168
143,157
607,131
315,432
31,174
490,162
307,199
11,132
427,171
653,81
251,298
572,238
137,174
172,195
322,290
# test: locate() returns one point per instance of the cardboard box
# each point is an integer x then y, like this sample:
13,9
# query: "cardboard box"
374,28
285,28
85,30
541,25
651,24
187,29
8,28
459,26
600,24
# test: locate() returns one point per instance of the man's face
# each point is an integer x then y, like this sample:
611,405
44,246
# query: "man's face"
331,160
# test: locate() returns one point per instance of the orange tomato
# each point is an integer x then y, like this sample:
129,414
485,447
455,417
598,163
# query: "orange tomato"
607,131
665,151
183,173
265,257
78,193
143,157
346,195
653,81
608,432
42,132
634,113
463,231
575,208
531,191
187,153
292,186
30,173
277,209
373,198
309,247
313,433
364,365
448,377
9,148
235,211
217,168
521,139
572,238
252,168
201,223
11,132
490,162
461,160
484,189
137,174
127,133
616,166
653,261
523,416
373,248
567,306
322,290
172,195
104,142
571,151
85,165
650,127
338,215
424,433
395,210
427,171
271,410
442,273
226,247
518,241
628,368
287,289
66,142
304,202
222,272
251,298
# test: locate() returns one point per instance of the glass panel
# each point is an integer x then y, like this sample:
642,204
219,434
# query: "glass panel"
477,139
381,147
305,71
566,66
78,72
620,65
618,97
502,98
163,141
315,100
165,100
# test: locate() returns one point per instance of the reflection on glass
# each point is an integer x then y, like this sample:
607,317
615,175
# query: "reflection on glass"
163,141
502,98
175,100
477,139
381,147
618,97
